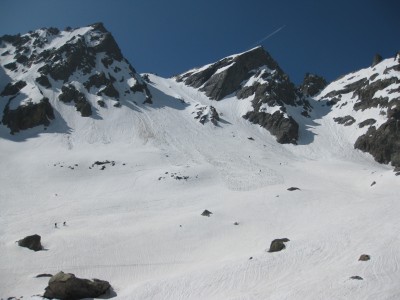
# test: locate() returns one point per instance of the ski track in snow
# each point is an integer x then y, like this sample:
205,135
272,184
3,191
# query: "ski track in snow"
141,229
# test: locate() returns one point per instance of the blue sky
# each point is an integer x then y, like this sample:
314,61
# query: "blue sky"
329,38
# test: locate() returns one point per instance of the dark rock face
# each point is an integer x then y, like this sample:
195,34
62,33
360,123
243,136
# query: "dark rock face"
312,85
28,116
31,242
69,93
367,92
278,245
61,63
377,59
382,143
285,129
43,81
107,44
67,286
13,88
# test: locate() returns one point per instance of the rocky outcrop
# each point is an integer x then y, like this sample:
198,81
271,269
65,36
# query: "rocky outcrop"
284,128
13,88
66,286
346,120
206,114
28,116
382,143
69,93
31,242
43,81
312,85
367,122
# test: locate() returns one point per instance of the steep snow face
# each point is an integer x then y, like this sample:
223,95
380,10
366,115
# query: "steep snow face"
47,69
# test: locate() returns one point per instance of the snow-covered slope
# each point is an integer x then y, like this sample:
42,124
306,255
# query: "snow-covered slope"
132,181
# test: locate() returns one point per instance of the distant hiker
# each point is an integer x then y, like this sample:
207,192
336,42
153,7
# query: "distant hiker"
55,225
65,223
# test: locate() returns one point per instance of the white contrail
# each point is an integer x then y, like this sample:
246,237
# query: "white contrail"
269,35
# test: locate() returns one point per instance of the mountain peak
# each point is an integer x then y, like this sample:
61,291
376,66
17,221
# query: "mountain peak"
225,76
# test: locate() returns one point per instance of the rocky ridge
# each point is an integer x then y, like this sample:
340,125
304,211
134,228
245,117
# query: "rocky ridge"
84,68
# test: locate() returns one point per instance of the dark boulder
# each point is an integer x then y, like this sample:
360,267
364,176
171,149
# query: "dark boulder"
364,257
278,245
293,189
31,242
28,116
66,286
43,275
206,213
285,129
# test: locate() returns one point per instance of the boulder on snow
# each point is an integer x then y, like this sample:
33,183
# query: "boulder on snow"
293,188
31,242
67,286
206,213
364,257
43,275
278,245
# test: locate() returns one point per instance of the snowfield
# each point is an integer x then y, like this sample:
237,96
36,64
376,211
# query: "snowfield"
138,226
